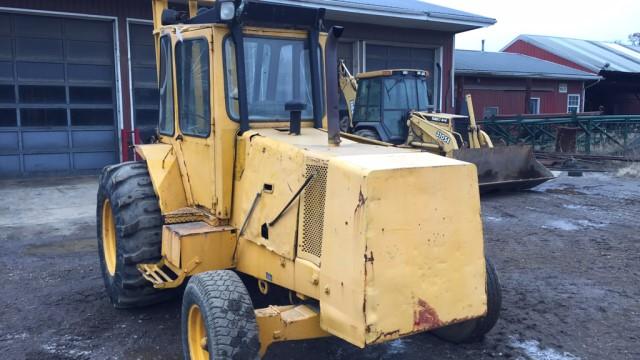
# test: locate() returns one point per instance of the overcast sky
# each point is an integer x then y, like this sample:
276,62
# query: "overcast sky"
608,20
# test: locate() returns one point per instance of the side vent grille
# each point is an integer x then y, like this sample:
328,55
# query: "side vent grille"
313,211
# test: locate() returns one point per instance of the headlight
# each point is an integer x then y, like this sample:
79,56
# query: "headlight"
227,10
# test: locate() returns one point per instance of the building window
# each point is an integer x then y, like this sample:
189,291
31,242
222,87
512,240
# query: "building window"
562,88
534,106
490,111
573,103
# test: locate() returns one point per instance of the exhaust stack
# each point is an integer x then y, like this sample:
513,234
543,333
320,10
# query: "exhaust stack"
333,116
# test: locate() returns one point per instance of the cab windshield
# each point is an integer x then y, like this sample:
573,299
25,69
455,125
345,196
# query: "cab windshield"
277,71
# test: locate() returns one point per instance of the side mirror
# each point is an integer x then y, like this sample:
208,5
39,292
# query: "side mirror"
295,109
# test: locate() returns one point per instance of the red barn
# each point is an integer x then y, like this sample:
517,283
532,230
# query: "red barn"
510,84
619,65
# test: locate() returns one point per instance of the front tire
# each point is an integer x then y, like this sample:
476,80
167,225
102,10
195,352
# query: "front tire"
129,226
368,133
475,329
218,321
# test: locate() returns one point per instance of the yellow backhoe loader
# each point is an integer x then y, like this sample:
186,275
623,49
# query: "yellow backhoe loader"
392,106
272,226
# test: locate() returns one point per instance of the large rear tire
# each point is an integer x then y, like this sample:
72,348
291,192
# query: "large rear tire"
129,226
368,133
218,321
475,329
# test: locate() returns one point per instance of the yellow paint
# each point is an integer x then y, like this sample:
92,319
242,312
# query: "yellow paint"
165,175
286,323
210,247
197,334
108,237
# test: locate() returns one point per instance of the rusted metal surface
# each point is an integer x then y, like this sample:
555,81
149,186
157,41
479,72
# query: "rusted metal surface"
425,317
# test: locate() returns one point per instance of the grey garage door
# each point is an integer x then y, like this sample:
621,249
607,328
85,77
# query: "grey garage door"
383,57
57,94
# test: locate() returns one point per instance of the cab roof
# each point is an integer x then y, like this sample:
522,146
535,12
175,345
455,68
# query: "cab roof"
391,72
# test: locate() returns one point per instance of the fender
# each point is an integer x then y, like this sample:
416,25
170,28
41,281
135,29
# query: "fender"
164,171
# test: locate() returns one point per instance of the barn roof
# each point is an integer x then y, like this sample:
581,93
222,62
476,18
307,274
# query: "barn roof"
399,13
593,55
514,65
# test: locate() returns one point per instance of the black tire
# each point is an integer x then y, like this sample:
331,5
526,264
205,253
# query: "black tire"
138,229
474,330
345,123
368,133
227,313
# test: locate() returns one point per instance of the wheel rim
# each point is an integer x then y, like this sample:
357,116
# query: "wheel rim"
108,237
197,335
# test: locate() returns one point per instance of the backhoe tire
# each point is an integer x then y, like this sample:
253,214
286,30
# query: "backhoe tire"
475,329
368,133
345,123
129,226
218,320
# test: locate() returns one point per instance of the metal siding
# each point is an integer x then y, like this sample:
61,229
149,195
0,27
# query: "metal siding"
522,47
493,92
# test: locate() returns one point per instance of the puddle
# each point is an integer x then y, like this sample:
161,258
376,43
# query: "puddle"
62,247
565,191
396,347
532,350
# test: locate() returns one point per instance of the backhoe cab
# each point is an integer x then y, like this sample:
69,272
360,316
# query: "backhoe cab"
280,229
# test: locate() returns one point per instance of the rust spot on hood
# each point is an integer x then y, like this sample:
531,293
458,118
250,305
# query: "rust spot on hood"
425,317
361,201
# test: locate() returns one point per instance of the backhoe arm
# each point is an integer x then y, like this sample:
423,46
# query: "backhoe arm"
349,87
429,135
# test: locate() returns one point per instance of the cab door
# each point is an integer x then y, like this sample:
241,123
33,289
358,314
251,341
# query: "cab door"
193,58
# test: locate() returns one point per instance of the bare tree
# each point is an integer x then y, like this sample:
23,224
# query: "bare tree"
634,39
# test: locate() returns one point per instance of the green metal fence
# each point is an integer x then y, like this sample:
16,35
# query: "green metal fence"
602,134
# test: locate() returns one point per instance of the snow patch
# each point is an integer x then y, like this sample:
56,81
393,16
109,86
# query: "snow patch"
493,218
533,350
561,225
396,347
632,170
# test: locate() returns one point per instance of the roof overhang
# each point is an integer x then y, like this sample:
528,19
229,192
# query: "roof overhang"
527,75
393,16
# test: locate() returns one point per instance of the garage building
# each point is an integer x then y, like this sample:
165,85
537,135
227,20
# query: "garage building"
75,74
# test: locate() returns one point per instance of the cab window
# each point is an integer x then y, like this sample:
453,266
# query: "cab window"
277,71
192,76
166,123
367,107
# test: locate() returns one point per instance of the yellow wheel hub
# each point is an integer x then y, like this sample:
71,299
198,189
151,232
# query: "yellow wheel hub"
108,237
197,335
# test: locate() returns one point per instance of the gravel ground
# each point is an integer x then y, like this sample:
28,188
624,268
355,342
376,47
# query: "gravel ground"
567,253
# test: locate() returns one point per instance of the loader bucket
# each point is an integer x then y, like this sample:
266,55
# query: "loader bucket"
505,168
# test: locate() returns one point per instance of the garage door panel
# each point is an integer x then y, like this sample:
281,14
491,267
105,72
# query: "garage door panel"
90,73
38,26
93,138
6,48
8,141
76,29
5,24
43,117
8,118
93,161
90,95
9,165
39,49
6,70
89,51
37,71
46,162
45,140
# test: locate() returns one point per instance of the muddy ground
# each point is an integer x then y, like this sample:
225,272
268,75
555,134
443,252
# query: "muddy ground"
568,255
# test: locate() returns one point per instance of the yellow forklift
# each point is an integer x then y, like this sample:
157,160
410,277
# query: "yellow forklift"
272,226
